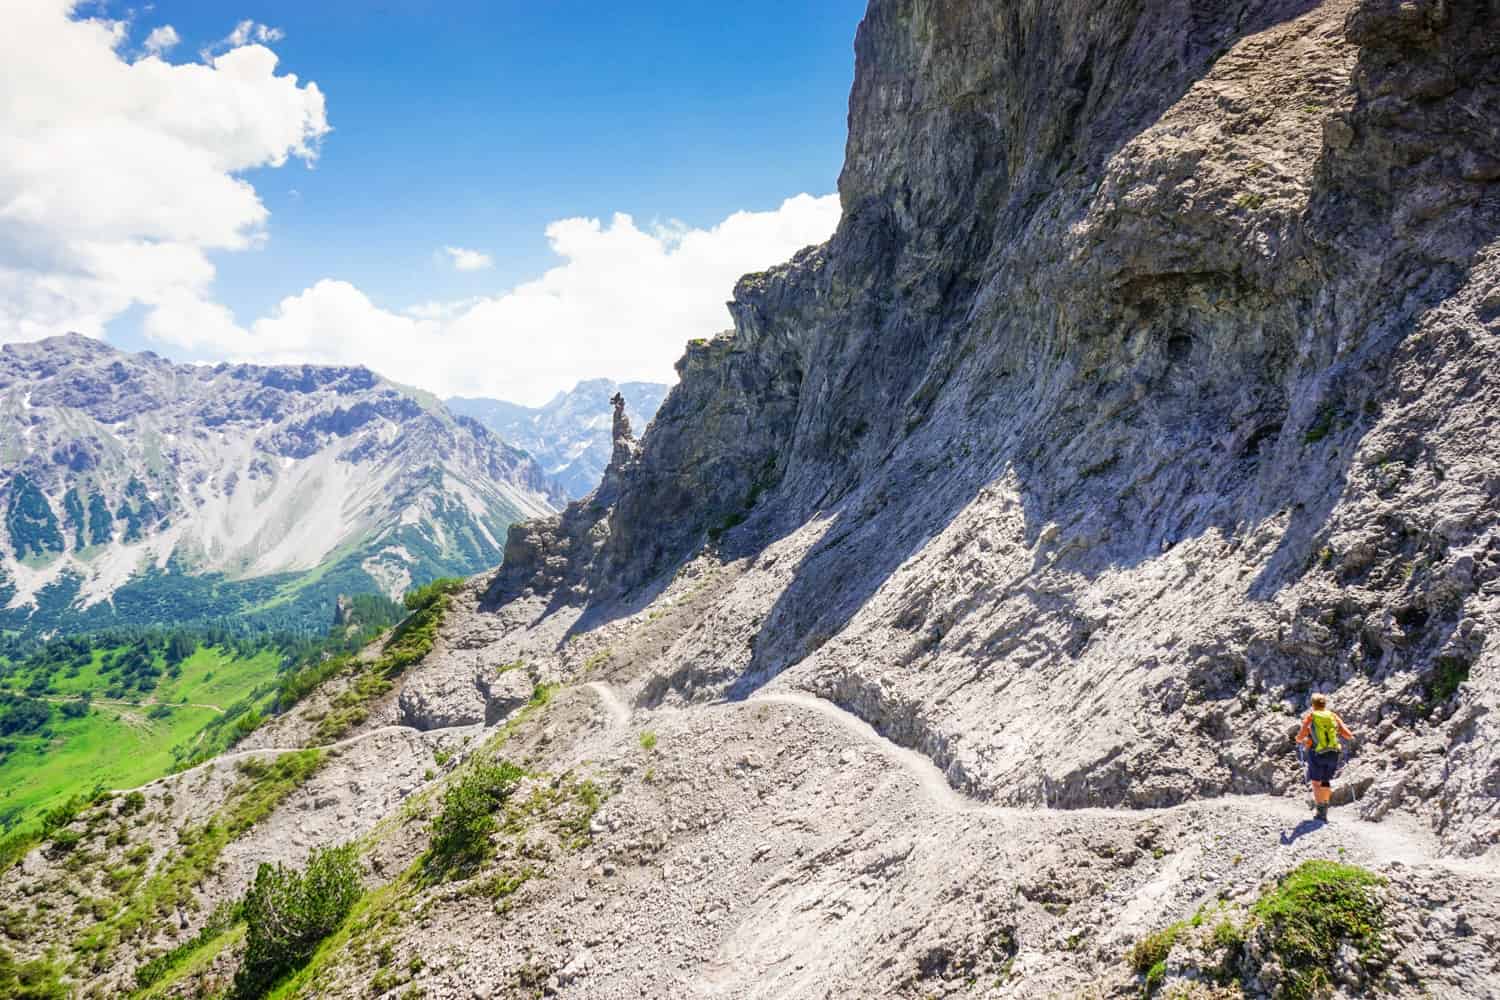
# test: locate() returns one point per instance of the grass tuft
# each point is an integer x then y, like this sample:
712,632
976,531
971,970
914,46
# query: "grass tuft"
1317,907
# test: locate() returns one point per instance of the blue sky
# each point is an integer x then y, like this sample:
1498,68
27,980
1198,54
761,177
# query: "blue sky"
482,198
477,124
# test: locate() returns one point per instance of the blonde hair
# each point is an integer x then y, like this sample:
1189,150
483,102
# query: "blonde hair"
1320,701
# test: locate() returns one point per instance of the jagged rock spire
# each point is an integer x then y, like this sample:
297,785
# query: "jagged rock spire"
624,440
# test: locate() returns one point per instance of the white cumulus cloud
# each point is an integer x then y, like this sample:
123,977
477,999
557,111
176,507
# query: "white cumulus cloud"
244,33
161,40
119,177
622,304
468,260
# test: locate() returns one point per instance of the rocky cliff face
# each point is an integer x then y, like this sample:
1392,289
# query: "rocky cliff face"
1140,392
570,436
138,490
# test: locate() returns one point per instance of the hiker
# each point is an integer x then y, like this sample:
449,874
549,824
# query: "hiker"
1320,734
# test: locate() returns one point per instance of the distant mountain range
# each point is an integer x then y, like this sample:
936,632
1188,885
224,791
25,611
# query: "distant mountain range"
135,491
570,436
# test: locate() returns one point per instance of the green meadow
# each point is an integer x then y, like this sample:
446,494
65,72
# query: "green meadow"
121,738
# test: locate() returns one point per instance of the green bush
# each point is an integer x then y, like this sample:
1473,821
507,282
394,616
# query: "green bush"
245,725
287,913
424,597
21,716
133,803
1229,937
16,845
1152,950
300,683
61,815
1448,673
461,831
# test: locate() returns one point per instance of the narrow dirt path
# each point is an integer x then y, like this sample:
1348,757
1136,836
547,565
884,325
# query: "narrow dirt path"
1391,839
225,758
619,716
1395,841
120,702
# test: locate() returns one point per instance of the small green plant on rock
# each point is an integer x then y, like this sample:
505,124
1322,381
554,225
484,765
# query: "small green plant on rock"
648,740
1300,925
1449,673
1321,426
1317,907
1149,956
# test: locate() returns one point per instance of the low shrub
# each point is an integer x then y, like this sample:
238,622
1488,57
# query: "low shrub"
15,846
300,683
1153,949
287,913
461,831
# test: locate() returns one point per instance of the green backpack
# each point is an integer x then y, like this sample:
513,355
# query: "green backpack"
1325,732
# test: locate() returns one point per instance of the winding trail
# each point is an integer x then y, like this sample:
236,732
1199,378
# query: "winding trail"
1394,841
619,716
235,755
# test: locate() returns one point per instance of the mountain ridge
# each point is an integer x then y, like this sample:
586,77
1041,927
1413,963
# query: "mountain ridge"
234,478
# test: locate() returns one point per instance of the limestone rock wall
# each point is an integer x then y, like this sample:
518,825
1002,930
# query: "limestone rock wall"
1144,388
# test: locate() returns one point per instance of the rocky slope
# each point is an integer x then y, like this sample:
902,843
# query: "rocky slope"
570,436
1142,391
139,490
946,634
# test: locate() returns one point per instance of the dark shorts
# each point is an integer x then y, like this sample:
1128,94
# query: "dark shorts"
1321,767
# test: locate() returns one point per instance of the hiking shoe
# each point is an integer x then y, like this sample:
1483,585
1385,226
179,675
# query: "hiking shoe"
1323,813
